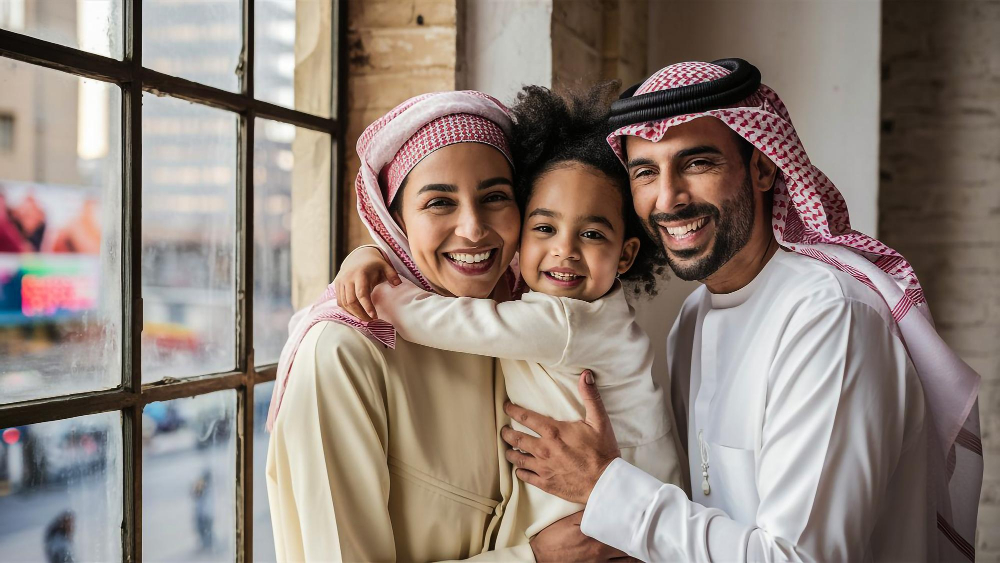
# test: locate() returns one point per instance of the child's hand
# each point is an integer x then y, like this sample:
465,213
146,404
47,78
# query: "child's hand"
361,271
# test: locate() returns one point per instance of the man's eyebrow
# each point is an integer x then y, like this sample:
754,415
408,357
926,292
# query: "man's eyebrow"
633,162
498,181
543,212
703,149
450,188
599,219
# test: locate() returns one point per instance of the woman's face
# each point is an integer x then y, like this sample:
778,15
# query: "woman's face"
460,218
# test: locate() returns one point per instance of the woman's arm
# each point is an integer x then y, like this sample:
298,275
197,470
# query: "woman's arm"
535,329
327,476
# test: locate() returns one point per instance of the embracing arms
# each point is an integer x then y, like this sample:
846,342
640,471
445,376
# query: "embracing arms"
536,328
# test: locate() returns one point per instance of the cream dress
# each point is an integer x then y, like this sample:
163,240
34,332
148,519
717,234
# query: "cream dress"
387,455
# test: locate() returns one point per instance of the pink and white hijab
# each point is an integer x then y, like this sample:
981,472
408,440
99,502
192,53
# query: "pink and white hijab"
389,148
810,217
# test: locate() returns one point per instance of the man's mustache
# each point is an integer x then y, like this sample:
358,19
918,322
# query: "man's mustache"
692,211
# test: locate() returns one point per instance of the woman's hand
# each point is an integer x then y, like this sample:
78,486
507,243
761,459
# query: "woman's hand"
569,457
362,270
562,540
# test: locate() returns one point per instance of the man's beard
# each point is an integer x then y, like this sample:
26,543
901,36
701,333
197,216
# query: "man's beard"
734,226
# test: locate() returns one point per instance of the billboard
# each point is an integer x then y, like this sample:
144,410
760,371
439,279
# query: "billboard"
50,242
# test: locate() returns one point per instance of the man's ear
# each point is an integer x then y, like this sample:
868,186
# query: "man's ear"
630,250
762,171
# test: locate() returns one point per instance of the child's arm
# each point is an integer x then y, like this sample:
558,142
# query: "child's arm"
362,270
535,329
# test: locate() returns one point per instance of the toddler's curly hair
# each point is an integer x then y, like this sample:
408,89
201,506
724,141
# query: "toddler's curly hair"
553,130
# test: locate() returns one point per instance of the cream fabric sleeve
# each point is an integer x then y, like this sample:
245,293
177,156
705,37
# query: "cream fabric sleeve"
534,329
307,486
832,435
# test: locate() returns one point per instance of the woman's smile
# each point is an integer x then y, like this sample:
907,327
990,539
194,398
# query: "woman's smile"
472,262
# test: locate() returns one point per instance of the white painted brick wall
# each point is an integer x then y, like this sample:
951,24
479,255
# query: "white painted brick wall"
940,190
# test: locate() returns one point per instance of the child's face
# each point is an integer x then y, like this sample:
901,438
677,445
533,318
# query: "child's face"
573,239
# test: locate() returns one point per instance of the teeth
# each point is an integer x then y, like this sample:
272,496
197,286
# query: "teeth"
681,231
563,277
470,258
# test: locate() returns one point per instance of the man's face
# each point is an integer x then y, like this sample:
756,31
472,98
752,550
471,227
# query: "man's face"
693,191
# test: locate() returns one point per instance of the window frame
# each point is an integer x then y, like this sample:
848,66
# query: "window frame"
132,395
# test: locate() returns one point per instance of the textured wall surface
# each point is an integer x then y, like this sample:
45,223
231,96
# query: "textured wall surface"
940,189
396,50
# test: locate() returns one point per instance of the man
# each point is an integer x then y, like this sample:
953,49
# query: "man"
825,419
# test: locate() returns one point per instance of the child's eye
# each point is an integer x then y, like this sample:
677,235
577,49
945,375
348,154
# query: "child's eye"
593,235
544,229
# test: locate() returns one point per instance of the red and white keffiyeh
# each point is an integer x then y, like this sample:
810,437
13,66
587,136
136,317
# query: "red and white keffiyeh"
389,148
810,217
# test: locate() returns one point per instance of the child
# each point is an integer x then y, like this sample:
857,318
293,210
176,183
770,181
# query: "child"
579,236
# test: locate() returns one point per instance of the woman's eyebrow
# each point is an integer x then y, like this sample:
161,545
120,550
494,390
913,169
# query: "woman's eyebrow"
498,181
450,188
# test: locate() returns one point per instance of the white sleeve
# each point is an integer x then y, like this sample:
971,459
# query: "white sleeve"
534,329
833,431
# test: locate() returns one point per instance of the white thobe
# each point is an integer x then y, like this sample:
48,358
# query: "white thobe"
802,404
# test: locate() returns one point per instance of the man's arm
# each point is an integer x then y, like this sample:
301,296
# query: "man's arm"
535,329
831,437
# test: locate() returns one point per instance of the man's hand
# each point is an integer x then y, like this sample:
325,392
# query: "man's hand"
569,457
563,541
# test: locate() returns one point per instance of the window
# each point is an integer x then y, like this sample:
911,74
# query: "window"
6,132
146,264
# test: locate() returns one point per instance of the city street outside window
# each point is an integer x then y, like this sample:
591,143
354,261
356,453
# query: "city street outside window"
148,264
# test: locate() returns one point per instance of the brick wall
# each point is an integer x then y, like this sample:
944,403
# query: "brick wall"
940,189
397,49
595,40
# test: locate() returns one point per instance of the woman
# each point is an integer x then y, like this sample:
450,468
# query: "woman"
383,453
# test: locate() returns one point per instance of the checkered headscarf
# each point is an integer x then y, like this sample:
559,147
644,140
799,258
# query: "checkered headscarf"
389,148
809,216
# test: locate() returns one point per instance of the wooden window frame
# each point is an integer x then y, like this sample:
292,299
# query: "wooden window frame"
132,395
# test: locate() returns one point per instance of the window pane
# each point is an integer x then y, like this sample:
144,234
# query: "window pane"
199,40
263,537
61,490
282,154
90,25
293,54
189,479
60,242
188,239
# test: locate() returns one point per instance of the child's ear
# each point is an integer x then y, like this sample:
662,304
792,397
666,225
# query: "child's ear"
629,252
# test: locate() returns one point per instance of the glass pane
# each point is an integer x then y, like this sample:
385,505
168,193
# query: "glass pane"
60,241
282,153
189,479
293,46
90,25
199,40
188,239
61,490
263,537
